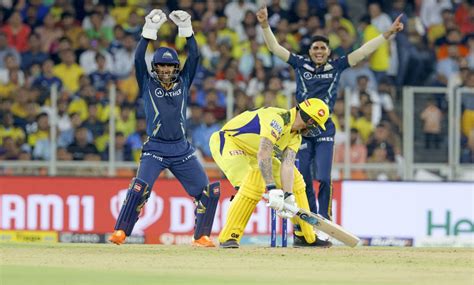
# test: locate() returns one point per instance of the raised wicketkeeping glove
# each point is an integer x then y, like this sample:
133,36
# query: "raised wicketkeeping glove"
183,20
289,207
153,22
276,199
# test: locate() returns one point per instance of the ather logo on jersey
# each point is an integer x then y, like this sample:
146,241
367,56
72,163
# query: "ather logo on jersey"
162,93
308,75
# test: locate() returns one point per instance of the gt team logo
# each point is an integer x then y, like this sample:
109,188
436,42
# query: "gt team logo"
167,55
151,212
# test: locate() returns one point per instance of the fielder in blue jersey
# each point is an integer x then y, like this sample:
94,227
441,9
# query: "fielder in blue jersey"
317,77
166,95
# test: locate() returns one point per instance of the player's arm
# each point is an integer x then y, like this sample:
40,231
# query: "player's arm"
153,22
369,47
264,157
287,169
185,29
269,37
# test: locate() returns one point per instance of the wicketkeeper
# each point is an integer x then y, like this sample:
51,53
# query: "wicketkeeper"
256,150
166,94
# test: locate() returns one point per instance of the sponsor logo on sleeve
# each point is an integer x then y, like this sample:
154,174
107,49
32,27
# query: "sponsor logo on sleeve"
235,152
274,124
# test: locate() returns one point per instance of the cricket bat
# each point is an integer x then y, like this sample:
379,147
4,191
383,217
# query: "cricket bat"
325,225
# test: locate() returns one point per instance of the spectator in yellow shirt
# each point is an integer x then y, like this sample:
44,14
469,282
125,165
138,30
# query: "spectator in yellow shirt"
43,130
7,129
126,121
364,123
68,70
21,98
380,59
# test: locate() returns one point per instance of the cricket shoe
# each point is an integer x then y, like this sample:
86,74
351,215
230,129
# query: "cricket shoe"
118,237
230,243
301,242
203,241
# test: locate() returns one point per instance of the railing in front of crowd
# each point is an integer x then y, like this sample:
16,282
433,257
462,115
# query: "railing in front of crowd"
449,167
405,168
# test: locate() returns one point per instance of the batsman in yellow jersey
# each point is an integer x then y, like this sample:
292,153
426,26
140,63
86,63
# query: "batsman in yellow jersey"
256,150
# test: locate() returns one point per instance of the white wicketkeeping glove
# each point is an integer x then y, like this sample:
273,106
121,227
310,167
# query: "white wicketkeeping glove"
276,199
289,207
153,22
183,20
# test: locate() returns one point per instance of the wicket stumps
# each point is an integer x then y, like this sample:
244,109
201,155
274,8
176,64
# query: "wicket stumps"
284,228
284,224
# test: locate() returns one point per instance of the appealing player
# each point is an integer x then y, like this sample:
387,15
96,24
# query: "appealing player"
166,95
256,150
317,77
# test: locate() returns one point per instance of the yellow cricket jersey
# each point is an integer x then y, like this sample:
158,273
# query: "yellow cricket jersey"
272,123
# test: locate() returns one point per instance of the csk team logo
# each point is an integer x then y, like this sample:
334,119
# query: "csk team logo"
151,212
321,113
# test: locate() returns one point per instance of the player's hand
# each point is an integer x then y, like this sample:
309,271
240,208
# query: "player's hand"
397,26
275,199
262,15
289,207
153,22
183,20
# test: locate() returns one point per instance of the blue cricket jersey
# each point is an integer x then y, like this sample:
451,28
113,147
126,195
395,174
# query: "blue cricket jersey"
317,82
165,110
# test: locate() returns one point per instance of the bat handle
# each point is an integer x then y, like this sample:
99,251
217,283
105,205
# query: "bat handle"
292,208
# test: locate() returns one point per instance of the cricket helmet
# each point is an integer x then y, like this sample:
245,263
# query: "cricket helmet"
316,110
166,56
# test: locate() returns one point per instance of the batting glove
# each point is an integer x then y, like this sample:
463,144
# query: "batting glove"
183,20
289,208
276,199
153,22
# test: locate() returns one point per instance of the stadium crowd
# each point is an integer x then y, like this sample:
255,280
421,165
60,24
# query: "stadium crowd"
84,47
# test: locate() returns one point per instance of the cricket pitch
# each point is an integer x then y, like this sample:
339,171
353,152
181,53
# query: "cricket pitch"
105,264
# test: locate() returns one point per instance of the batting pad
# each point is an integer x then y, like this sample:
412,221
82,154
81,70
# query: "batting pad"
301,199
206,210
136,198
242,206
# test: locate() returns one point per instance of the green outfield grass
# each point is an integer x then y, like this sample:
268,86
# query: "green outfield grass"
156,264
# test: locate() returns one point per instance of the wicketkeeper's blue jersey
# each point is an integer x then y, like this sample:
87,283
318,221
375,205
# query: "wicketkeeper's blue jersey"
165,110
